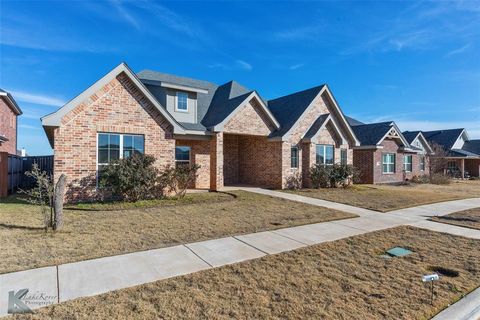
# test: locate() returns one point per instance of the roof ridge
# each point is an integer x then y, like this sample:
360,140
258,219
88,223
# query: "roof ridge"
173,75
298,92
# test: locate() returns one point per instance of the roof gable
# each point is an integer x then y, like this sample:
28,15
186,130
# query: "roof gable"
54,119
373,134
445,138
290,109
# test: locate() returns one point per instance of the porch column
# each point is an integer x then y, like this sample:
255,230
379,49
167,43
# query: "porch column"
462,168
216,162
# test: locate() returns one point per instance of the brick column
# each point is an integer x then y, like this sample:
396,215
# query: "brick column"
216,162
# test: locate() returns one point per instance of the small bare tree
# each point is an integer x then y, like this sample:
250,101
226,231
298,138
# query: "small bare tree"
47,196
438,160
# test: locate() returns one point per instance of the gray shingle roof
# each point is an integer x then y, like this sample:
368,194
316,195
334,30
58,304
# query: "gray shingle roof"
316,125
410,135
371,134
445,138
353,122
226,99
461,153
472,146
212,107
288,109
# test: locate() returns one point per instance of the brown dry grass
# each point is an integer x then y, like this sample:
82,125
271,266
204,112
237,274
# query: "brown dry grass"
385,198
92,234
467,218
345,279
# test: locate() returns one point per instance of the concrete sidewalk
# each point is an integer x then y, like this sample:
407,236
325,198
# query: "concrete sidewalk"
96,276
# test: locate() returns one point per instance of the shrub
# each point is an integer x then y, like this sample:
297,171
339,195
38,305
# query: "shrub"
333,176
178,179
132,179
294,181
439,178
320,176
421,179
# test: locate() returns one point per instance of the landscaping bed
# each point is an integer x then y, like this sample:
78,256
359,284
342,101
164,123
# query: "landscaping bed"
467,218
386,198
97,230
345,279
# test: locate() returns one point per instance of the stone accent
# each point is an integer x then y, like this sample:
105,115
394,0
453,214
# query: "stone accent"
8,128
118,107
199,154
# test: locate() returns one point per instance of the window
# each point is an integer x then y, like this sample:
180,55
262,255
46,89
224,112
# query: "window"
422,163
113,146
388,162
343,156
294,157
324,154
182,155
182,101
407,163
451,165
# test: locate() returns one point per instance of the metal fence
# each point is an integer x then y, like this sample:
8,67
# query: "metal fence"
17,166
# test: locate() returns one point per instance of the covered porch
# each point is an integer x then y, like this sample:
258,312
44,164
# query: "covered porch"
251,160
463,168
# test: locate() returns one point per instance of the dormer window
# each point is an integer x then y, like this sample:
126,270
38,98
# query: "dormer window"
182,101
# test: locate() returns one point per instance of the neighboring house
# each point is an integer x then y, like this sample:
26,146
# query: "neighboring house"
385,155
9,111
230,131
463,153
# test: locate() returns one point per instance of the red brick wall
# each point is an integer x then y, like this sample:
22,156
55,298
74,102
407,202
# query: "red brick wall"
8,128
369,162
119,107
363,161
199,154
251,119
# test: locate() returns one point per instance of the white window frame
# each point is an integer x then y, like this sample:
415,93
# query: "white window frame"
388,163
120,156
324,147
297,157
406,164
189,155
177,100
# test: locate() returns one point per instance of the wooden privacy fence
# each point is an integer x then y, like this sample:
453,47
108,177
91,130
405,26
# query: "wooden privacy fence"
13,168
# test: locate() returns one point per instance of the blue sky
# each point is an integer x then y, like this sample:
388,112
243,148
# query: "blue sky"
417,63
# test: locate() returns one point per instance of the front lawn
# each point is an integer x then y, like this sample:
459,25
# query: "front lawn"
386,198
467,218
345,279
97,230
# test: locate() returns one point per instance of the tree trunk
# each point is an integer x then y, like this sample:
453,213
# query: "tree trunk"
58,202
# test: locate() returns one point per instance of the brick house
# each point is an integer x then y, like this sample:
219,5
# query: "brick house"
235,135
385,155
463,152
9,111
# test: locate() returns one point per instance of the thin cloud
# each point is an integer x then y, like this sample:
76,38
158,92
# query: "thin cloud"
36,98
302,33
296,66
126,15
458,50
244,65
27,126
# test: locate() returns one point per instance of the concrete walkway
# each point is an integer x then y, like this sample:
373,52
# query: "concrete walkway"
96,276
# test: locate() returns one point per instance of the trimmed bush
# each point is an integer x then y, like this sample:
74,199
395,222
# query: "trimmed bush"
132,179
294,181
179,179
333,176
